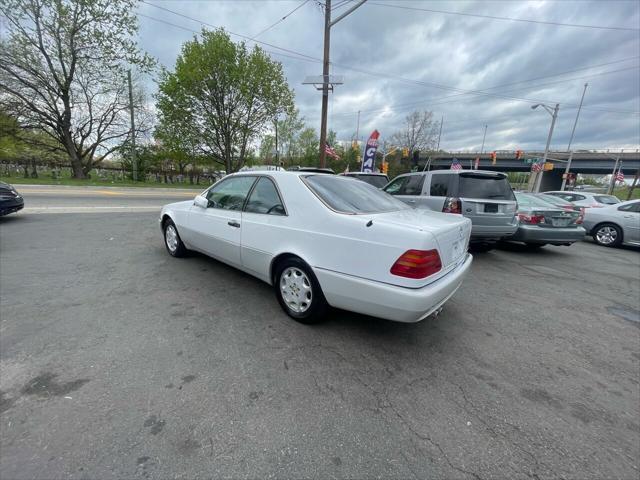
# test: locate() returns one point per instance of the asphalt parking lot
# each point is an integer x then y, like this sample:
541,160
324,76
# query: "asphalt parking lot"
118,361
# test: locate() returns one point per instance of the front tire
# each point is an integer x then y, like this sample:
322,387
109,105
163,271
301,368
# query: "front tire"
607,235
298,291
172,240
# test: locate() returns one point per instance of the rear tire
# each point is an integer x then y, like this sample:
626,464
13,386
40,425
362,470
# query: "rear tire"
172,240
298,291
607,235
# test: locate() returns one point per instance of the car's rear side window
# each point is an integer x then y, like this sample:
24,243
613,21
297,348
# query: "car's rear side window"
606,199
493,187
349,196
440,185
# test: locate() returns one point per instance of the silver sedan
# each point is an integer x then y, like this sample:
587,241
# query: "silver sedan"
615,224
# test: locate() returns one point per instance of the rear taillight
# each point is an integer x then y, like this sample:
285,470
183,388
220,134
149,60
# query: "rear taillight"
580,217
417,264
452,205
531,219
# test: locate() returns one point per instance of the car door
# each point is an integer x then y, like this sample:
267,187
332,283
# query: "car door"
631,221
215,230
265,222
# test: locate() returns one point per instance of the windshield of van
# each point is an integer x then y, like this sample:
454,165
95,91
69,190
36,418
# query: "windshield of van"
490,187
348,195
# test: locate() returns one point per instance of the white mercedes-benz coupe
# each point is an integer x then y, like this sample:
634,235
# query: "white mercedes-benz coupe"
326,240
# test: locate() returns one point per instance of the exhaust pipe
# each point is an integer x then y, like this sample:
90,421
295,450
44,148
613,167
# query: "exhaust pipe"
437,312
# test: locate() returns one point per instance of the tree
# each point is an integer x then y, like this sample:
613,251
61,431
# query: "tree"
224,95
289,128
418,133
309,147
63,71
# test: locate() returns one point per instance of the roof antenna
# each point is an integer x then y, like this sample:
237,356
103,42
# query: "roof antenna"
369,223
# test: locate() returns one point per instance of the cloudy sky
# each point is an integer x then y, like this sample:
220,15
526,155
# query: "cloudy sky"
397,56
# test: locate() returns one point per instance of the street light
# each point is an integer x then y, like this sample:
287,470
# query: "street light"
554,114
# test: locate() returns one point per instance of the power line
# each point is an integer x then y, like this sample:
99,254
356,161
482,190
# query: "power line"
511,19
402,106
281,20
303,56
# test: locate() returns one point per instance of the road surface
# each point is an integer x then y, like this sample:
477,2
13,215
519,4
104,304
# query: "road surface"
64,199
119,361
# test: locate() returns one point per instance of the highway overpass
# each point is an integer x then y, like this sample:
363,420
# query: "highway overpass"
587,162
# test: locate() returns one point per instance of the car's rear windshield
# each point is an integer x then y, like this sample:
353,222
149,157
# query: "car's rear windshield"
606,199
377,181
493,187
350,196
554,200
531,201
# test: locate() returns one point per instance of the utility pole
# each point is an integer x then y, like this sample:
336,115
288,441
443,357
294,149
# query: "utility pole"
134,161
325,73
566,171
275,122
483,137
358,128
612,183
325,83
440,134
577,116
633,185
554,116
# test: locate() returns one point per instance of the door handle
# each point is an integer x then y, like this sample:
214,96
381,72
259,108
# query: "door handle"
233,223
411,201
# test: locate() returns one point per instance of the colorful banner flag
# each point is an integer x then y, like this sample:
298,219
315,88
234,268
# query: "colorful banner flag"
369,161
455,165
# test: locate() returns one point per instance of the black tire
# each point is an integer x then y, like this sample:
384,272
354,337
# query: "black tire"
294,282
607,235
174,246
535,246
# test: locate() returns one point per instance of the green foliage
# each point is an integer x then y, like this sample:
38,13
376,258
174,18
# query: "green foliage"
63,70
220,97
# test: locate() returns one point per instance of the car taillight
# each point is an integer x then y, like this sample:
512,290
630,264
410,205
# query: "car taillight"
580,217
417,264
531,219
452,205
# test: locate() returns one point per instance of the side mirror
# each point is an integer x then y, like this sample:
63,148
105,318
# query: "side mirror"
201,202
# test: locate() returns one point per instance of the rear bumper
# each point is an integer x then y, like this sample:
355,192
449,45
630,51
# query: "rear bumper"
535,234
390,302
493,232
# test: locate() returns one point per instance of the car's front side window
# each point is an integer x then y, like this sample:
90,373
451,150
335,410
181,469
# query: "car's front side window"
230,193
397,186
265,199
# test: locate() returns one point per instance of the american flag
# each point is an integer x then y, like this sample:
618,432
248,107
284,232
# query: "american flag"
537,166
620,175
455,165
330,151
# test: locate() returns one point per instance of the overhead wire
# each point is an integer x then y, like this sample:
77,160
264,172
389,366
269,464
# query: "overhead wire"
511,19
301,56
280,20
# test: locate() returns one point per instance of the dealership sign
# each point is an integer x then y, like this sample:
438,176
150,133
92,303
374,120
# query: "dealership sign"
370,152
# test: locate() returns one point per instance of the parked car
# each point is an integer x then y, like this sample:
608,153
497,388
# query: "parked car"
560,202
378,180
614,225
543,223
10,200
325,240
586,199
486,198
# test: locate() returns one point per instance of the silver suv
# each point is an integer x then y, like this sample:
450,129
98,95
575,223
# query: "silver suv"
486,198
